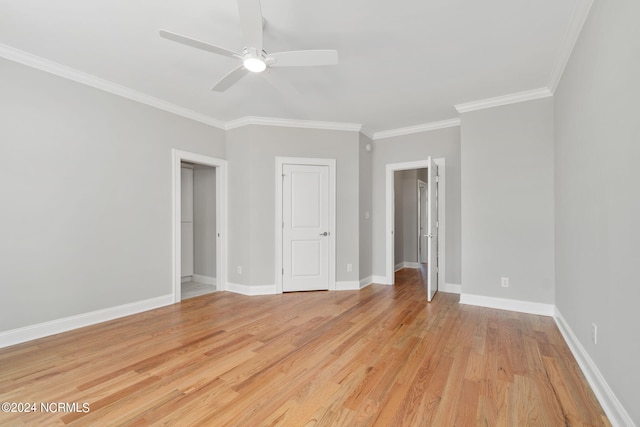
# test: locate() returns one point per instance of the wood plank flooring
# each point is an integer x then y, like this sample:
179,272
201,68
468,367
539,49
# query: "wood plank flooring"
381,356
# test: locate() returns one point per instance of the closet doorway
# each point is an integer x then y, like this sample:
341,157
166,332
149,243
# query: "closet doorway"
199,225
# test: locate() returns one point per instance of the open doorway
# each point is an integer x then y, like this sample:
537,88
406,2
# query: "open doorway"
199,207
435,208
407,211
198,230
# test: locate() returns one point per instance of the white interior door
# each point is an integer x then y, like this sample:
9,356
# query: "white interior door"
432,230
305,228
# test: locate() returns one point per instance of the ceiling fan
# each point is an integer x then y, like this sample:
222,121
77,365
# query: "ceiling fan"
254,58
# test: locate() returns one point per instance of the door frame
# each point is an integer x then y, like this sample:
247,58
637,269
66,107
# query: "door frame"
390,215
178,156
331,164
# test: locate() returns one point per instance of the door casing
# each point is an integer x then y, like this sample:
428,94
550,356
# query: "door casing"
178,156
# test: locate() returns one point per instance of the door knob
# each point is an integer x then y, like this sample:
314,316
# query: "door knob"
324,234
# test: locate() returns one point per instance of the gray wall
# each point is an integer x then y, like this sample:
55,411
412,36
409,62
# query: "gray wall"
364,194
597,194
507,201
204,220
437,143
86,196
251,153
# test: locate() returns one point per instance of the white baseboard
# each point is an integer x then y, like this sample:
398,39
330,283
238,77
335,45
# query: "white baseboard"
451,288
380,280
185,279
205,280
28,333
366,282
348,285
408,264
509,304
616,413
251,290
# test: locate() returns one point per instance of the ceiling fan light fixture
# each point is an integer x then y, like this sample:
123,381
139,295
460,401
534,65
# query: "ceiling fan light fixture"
255,65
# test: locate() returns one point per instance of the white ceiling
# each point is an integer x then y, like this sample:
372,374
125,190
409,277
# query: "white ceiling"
402,63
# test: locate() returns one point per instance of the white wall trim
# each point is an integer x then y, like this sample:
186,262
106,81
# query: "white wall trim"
415,129
28,333
87,79
610,403
348,285
511,98
205,280
406,264
367,133
251,290
292,123
451,288
380,280
508,304
366,282
178,157
331,164
579,17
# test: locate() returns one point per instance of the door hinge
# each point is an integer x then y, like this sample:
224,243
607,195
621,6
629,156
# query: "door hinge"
437,178
437,224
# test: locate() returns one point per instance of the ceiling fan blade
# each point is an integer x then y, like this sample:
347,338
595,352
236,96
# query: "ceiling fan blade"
303,58
198,44
251,23
230,79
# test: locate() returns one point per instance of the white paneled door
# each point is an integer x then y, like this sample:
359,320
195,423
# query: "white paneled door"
432,230
305,227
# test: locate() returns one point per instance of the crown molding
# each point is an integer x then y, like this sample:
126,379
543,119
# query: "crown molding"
416,129
579,17
87,79
69,73
292,123
366,132
512,98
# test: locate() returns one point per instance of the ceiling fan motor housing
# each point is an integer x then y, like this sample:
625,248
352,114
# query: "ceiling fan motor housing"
253,60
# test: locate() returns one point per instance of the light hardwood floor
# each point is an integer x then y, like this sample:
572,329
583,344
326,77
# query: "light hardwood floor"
380,356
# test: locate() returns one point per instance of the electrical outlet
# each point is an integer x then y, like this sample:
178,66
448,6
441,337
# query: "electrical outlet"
239,269
504,282
594,333
349,267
